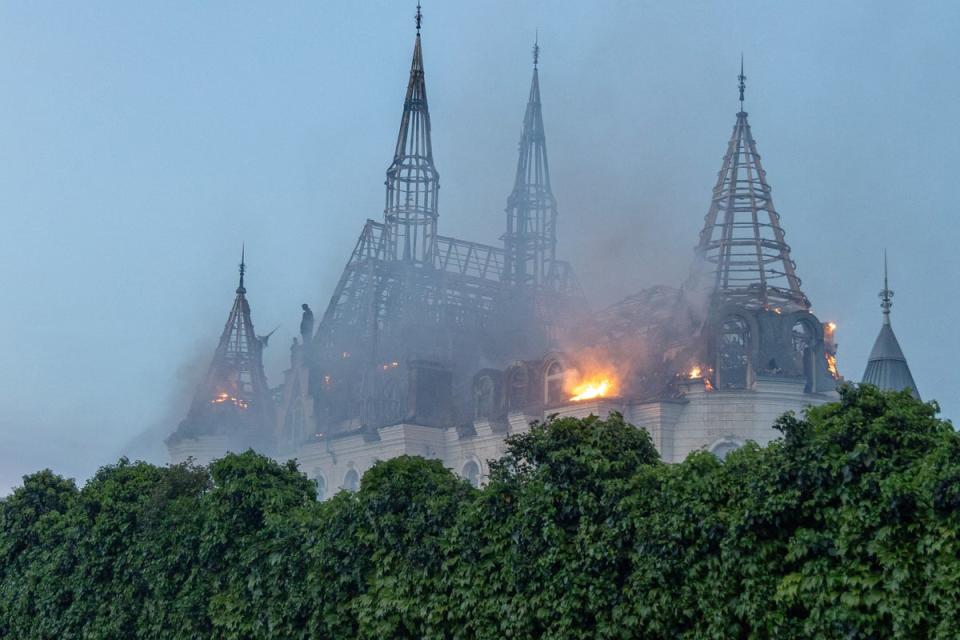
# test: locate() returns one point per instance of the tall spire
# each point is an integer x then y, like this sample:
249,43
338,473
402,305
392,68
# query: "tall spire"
742,243
412,180
886,295
887,367
243,267
742,81
234,397
531,237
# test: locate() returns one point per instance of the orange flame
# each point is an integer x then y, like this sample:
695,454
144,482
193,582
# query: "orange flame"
695,372
600,383
591,390
223,397
832,366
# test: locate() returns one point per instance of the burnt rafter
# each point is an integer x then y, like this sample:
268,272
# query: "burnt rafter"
743,254
406,292
531,238
412,180
409,294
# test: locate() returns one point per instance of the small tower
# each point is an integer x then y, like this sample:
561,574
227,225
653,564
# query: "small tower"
887,367
412,180
742,248
232,408
531,238
756,321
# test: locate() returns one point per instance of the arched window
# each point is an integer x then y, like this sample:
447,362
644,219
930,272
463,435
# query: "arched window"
519,381
734,353
483,397
723,448
351,481
803,350
553,383
802,336
471,473
320,484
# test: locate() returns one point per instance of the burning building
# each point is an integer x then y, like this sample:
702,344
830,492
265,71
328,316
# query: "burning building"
233,403
440,347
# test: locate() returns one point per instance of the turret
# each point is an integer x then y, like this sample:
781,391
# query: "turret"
232,408
412,180
743,255
757,322
887,367
531,237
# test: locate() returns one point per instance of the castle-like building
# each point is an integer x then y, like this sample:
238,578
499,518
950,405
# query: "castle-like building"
440,347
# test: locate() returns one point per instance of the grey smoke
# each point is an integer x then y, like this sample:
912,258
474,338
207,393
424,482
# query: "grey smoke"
142,145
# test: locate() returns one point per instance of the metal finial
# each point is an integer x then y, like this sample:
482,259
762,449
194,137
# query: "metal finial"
419,17
536,48
886,295
243,264
742,78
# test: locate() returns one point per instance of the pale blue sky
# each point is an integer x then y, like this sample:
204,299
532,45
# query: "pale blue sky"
142,143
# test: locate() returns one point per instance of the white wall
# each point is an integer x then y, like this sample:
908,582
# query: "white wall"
701,420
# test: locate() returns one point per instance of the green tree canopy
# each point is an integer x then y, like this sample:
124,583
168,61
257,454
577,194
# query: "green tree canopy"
847,526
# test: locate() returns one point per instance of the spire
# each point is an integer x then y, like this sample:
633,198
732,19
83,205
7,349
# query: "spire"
886,295
531,237
243,267
234,397
742,244
743,84
887,367
412,180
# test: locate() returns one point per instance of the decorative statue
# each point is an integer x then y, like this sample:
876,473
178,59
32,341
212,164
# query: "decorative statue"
294,352
306,324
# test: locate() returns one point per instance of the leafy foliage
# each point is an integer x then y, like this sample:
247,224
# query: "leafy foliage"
847,526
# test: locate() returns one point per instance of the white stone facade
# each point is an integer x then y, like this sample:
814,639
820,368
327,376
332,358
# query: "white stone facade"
702,419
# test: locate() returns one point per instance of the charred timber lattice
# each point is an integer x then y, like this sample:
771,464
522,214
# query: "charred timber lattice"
531,238
742,240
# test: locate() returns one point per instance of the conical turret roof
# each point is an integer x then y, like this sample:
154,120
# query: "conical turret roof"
234,397
887,367
412,180
531,238
744,257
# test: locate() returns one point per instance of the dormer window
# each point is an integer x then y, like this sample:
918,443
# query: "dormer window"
483,393
734,354
553,383
519,383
